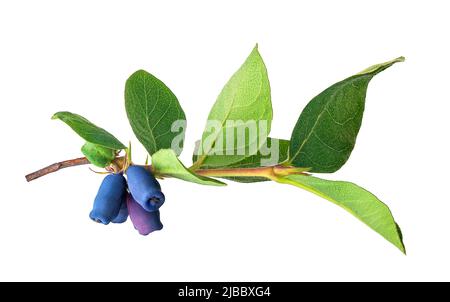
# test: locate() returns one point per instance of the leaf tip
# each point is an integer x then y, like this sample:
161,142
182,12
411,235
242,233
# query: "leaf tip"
377,68
392,62
401,246
55,116
138,72
255,50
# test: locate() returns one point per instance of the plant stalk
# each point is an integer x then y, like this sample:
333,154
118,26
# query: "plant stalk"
270,172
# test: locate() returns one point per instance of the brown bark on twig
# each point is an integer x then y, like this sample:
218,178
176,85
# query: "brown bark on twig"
57,166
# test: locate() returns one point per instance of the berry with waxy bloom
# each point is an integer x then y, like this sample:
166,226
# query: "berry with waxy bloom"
109,199
123,213
145,188
144,222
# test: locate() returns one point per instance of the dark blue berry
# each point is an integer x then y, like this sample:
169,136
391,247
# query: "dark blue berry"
145,188
123,213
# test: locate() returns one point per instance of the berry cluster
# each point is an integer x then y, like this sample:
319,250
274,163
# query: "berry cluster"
139,196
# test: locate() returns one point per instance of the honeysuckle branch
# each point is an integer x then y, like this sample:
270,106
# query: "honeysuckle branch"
56,167
270,172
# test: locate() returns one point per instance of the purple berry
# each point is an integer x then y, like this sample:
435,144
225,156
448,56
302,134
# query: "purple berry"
144,222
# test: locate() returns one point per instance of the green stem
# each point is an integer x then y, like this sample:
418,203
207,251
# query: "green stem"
267,172
195,166
270,172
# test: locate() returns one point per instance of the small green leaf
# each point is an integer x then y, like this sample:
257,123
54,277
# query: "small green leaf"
359,202
272,153
98,155
154,112
243,104
166,163
326,130
87,130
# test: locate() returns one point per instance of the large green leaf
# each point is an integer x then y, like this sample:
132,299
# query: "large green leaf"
326,130
166,163
87,130
258,159
242,104
152,109
359,202
263,157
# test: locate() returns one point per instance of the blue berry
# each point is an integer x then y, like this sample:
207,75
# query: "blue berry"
109,198
144,222
145,188
123,213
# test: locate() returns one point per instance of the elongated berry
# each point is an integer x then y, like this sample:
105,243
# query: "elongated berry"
145,188
109,198
123,212
144,222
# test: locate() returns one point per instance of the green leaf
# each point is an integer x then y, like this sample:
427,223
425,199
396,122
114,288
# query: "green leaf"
98,155
243,102
154,112
259,159
359,202
266,156
87,130
326,130
166,163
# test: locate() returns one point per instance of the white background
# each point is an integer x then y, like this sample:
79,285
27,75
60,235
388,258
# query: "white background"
76,56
